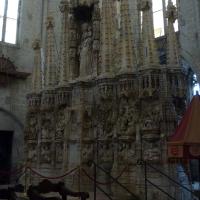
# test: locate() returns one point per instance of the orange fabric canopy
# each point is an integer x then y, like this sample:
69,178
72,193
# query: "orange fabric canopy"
185,142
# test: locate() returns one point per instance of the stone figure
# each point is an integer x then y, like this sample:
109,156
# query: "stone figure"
126,153
32,128
131,119
106,154
45,154
85,50
87,124
152,151
150,118
59,153
127,116
106,116
32,153
47,126
87,154
60,125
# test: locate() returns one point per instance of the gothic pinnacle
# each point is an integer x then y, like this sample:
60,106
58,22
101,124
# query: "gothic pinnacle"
50,70
64,65
172,43
150,56
127,48
37,74
107,36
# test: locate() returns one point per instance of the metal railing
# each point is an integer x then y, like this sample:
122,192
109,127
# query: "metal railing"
115,180
146,165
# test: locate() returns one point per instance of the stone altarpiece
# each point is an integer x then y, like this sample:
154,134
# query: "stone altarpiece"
101,105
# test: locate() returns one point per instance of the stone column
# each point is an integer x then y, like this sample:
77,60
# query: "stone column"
64,67
172,43
37,74
150,56
50,70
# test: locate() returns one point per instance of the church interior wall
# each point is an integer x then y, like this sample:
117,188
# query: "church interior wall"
9,122
29,27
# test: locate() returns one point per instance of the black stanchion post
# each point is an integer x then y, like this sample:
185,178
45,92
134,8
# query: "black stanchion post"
145,177
199,181
95,181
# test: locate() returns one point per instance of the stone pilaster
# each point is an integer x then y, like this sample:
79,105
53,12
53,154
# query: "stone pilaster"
172,43
149,53
64,67
96,39
37,73
50,70
108,13
127,50
72,44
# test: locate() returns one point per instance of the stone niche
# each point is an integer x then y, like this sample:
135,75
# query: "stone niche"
83,13
83,18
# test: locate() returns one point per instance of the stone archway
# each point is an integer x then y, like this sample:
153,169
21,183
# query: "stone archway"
12,126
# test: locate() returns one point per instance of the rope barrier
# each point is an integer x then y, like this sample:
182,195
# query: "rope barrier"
106,183
57,177
20,173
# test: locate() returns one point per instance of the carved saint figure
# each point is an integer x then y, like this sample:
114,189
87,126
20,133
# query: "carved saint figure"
47,127
32,154
59,153
32,128
85,50
60,125
45,155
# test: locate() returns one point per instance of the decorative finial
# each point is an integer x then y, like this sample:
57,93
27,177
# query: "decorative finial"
145,5
49,22
36,44
171,13
172,43
64,6
37,74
